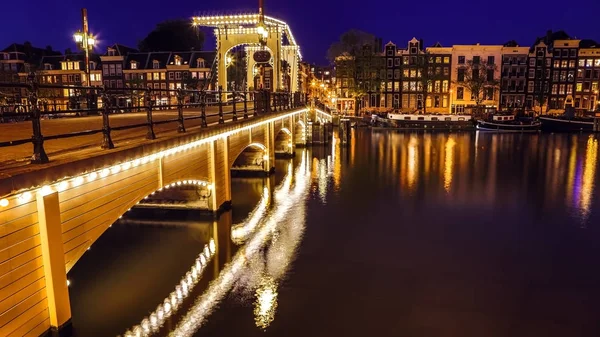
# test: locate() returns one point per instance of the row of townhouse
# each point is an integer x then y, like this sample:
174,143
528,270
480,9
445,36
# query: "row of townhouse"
557,72
121,69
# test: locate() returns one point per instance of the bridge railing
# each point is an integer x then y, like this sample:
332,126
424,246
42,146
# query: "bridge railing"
320,105
34,102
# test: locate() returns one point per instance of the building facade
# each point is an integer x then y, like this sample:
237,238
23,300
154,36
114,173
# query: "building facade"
513,86
467,58
587,88
438,95
67,70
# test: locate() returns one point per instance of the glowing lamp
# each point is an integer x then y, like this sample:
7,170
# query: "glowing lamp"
78,37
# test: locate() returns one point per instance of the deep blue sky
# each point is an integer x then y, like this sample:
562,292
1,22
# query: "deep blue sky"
315,23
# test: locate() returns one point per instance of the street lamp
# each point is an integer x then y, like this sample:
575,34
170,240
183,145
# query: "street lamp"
261,28
85,41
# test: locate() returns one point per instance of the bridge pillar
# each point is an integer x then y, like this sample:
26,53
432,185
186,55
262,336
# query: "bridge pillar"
57,292
270,144
220,175
292,128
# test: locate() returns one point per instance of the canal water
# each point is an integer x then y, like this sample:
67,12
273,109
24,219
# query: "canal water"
397,234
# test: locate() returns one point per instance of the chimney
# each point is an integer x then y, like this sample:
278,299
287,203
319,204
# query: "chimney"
548,36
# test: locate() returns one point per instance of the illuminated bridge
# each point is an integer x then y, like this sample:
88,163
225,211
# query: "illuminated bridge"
53,209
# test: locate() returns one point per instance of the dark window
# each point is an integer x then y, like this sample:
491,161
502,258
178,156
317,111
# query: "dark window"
489,93
460,92
461,60
461,74
490,75
476,59
573,52
491,60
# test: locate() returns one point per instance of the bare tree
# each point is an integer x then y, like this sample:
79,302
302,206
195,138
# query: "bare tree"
479,79
356,61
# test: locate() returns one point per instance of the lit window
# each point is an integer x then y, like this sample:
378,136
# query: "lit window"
597,62
177,60
200,62
163,76
579,87
589,62
133,65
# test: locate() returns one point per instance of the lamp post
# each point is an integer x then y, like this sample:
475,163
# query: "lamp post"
261,28
85,41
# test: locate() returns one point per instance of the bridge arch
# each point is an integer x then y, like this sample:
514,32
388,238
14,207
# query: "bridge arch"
284,143
300,133
252,159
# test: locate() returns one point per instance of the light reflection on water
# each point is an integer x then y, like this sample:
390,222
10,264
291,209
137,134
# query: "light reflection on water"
155,320
450,175
287,212
483,170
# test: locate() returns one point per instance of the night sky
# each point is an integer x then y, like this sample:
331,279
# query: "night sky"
315,23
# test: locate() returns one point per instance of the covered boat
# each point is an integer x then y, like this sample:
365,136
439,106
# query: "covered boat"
508,123
423,122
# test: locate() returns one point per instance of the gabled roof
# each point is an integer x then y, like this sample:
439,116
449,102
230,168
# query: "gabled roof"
550,37
140,58
122,50
437,45
146,60
587,43
79,57
162,57
52,60
29,53
208,56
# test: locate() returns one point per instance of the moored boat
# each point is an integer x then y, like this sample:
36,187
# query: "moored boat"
508,123
565,124
423,122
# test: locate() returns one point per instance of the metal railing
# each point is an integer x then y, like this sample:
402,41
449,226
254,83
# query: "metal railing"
321,106
109,101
